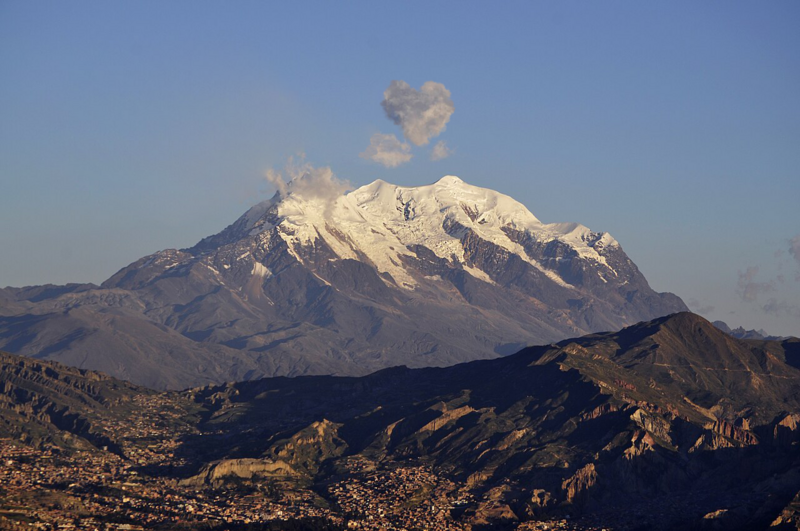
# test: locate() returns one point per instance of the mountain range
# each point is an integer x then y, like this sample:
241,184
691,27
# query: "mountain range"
667,424
306,283
741,333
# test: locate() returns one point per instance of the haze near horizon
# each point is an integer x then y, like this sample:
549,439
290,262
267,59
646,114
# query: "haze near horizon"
132,128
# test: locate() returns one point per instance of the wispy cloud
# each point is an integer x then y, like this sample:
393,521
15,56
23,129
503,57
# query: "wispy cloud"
441,151
422,114
387,150
749,289
776,307
794,249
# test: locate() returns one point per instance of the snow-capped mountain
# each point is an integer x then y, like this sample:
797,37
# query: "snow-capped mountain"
381,223
305,283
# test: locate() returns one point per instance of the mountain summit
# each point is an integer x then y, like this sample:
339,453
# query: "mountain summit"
380,224
310,283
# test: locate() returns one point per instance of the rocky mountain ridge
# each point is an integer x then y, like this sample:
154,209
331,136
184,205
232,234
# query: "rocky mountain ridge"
49,403
667,424
741,333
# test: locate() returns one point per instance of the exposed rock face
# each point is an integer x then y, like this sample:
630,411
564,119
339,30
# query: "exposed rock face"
654,425
576,486
728,430
786,430
540,501
228,469
382,276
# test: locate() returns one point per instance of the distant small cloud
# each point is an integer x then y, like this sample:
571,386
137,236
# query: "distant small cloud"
749,289
697,307
387,150
422,114
441,151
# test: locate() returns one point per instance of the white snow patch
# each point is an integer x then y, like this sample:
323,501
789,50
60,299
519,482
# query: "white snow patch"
259,270
480,274
552,275
324,281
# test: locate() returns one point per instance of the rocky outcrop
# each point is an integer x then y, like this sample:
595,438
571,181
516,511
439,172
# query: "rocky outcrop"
786,431
540,502
307,449
219,472
654,425
730,431
576,486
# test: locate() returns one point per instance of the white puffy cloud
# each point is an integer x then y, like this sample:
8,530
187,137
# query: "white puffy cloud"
387,150
301,178
422,114
441,151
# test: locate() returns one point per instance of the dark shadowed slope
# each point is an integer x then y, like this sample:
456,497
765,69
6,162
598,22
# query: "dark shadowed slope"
665,414
668,424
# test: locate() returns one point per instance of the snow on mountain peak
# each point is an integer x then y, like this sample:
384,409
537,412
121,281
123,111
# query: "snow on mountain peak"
380,221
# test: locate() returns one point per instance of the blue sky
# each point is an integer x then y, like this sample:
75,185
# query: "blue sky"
126,128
